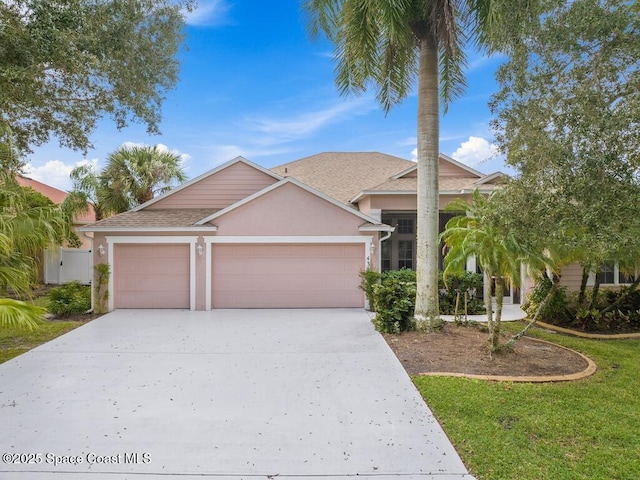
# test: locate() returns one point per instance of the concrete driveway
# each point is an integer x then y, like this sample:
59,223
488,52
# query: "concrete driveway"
152,394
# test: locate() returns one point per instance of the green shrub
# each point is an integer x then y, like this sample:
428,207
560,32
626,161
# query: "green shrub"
369,279
625,316
402,275
556,311
469,283
394,297
394,301
69,299
101,292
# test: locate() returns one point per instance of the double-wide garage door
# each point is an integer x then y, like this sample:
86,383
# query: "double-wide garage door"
242,276
287,276
151,276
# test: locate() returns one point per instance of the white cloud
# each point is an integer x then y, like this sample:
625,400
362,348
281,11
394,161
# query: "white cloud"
474,151
208,13
407,142
307,123
55,172
484,60
224,153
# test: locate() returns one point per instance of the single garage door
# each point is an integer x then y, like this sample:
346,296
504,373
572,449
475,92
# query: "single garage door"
151,276
287,276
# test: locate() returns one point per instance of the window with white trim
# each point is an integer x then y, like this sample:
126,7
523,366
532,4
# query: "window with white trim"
610,274
405,253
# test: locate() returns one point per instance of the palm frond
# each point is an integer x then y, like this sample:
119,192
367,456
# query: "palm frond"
15,313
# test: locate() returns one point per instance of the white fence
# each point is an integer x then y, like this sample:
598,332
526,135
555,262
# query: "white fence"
62,265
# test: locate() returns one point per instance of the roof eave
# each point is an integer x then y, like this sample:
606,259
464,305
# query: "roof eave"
462,191
194,228
490,177
376,228
364,193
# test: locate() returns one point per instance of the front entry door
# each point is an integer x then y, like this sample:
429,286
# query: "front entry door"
510,294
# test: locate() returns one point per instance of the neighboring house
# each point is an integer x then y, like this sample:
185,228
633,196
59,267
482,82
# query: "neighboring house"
296,236
64,264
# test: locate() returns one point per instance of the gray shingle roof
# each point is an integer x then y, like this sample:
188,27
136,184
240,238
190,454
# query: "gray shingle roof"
175,218
342,175
446,184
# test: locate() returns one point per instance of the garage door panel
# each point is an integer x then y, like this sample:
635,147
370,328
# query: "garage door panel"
287,276
152,276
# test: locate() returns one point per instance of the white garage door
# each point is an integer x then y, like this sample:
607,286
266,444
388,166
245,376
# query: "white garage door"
151,276
287,276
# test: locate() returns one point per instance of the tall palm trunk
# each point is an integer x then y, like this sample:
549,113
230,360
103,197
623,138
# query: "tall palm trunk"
427,311
494,331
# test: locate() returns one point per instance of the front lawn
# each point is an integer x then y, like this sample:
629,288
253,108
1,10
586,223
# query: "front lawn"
15,341
589,429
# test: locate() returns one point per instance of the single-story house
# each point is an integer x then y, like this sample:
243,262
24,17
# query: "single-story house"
62,264
295,236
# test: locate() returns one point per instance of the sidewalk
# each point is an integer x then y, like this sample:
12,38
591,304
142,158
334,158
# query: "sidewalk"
510,313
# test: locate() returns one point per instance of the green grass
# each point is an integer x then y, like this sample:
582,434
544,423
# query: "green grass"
588,429
15,341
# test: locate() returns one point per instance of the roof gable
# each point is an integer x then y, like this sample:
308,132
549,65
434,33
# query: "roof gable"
447,167
280,184
57,196
493,178
217,188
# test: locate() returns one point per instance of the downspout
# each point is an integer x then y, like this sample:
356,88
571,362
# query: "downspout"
84,234
382,239
379,255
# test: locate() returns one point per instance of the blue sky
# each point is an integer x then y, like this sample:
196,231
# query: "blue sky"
253,83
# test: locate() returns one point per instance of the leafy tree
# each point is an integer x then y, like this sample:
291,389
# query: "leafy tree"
394,44
10,160
26,227
135,175
65,64
567,118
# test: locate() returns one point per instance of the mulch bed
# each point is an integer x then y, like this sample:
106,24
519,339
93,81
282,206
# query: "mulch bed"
458,349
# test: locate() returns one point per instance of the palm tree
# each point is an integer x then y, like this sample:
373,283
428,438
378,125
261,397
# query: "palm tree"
25,229
394,43
135,175
476,232
87,189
